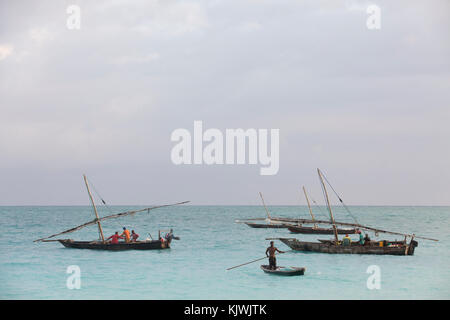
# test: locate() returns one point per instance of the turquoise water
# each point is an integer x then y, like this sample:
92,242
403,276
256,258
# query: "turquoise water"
194,268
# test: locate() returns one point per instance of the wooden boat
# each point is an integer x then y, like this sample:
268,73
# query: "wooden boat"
328,246
294,225
99,245
103,244
318,230
284,271
271,223
266,225
385,247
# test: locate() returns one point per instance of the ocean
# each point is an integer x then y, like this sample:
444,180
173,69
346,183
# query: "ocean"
210,242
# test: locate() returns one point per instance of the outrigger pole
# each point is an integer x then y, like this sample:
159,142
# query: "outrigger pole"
329,207
95,209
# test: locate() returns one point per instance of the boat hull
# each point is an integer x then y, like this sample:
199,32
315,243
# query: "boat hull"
312,230
266,225
400,250
95,245
292,271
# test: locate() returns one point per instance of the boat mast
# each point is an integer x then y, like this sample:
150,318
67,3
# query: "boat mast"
309,206
329,207
267,211
95,208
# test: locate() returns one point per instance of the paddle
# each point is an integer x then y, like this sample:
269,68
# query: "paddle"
253,261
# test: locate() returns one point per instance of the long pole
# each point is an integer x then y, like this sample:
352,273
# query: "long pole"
309,206
329,207
95,208
252,261
267,211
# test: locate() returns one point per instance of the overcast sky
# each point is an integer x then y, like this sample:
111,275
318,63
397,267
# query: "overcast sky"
371,108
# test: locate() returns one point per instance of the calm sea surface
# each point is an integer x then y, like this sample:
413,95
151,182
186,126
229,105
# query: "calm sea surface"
194,268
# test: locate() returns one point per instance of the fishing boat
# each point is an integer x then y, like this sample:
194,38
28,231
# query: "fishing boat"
335,246
384,247
270,223
284,271
99,245
318,230
315,229
294,225
163,242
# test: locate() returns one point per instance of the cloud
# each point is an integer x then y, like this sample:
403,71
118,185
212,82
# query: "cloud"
136,58
106,98
5,51
250,26
154,17
40,35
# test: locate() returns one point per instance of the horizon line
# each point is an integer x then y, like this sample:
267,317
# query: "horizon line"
223,205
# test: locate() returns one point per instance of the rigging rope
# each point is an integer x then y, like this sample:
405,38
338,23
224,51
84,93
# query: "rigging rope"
319,207
325,197
103,203
100,197
340,200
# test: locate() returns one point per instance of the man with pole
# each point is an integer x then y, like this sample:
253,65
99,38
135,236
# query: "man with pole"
270,253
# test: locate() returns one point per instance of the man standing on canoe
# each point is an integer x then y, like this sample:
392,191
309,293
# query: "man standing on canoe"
270,253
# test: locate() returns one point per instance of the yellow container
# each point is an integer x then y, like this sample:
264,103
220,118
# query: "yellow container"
381,243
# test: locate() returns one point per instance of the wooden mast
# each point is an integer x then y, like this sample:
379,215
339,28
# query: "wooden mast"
95,208
267,211
309,206
329,207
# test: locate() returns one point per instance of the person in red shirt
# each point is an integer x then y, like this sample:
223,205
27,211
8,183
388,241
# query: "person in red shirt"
115,238
134,236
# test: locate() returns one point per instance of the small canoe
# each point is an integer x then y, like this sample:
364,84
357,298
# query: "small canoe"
284,271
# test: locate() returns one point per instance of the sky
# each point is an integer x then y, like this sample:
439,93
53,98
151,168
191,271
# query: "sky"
370,108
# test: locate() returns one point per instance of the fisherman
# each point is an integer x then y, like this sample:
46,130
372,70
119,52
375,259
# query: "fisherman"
115,238
270,253
134,236
361,238
168,237
346,241
126,234
366,240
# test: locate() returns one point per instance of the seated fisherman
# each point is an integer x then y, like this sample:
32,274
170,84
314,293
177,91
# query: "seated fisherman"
115,238
125,234
168,237
366,240
346,241
361,238
134,236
